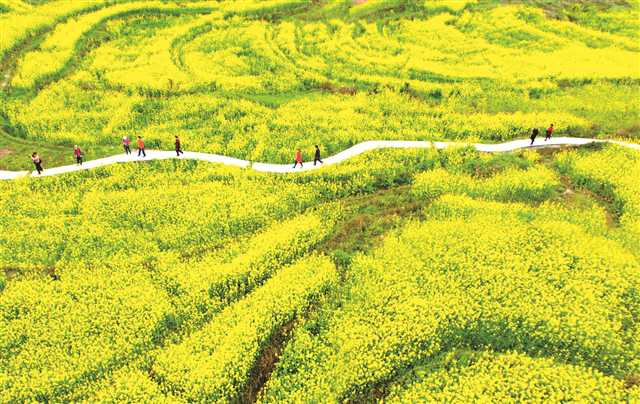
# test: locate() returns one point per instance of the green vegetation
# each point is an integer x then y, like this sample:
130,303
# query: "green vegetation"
15,153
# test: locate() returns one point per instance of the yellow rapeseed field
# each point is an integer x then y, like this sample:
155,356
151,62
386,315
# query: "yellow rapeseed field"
400,275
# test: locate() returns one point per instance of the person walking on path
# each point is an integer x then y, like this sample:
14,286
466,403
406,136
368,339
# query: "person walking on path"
298,159
141,147
125,143
549,133
37,161
77,153
316,158
178,147
534,135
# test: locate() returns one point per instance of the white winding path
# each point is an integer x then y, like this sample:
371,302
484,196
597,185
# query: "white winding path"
335,159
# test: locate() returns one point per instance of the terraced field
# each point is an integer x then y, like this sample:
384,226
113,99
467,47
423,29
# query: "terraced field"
396,275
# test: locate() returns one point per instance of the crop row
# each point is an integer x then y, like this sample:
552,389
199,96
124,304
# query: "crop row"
215,363
532,185
511,378
613,174
202,286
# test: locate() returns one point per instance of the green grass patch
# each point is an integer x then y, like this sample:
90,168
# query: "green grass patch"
372,216
15,153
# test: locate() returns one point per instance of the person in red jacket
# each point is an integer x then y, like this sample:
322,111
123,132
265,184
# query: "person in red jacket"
298,159
77,153
141,147
549,133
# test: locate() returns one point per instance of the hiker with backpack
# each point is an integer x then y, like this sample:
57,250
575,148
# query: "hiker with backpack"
549,133
37,161
77,153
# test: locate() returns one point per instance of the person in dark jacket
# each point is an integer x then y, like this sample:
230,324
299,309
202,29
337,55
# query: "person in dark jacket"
37,161
298,159
316,158
178,147
534,134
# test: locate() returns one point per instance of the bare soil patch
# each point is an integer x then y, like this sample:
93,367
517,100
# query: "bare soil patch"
267,363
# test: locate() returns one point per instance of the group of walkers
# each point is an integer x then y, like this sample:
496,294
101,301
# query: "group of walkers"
535,132
126,144
298,158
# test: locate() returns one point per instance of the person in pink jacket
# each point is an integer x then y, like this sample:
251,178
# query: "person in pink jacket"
77,153
125,143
